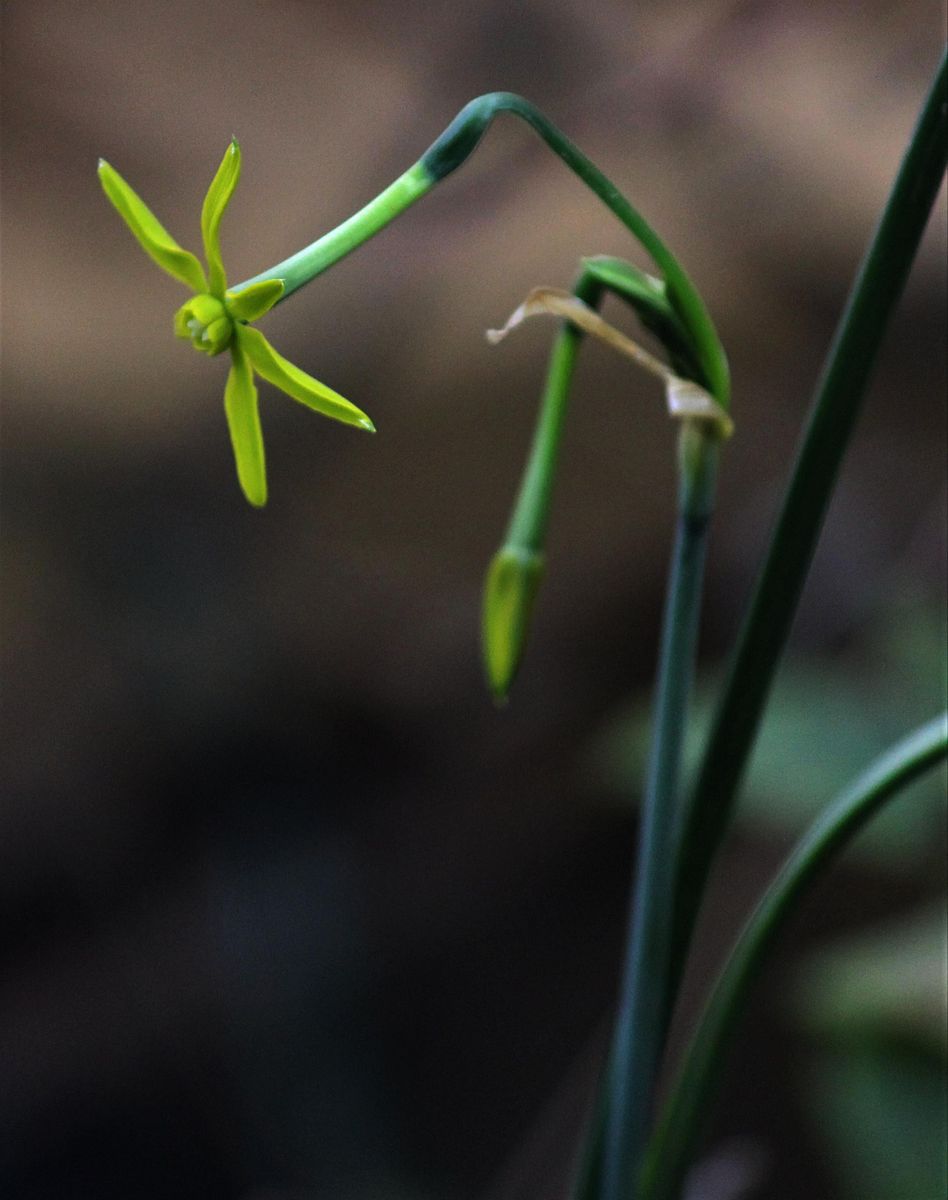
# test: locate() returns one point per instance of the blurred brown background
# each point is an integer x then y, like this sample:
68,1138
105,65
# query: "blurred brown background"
288,909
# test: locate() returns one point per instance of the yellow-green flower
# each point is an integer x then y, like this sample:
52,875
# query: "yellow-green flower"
214,320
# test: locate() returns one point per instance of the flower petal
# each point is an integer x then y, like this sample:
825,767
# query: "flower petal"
275,369
243,420
250,303
217,198
154,239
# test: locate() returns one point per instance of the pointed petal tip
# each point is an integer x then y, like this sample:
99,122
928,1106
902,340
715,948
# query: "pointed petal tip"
255,498
368,425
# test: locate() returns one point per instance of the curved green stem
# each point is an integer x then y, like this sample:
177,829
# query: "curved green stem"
833,415
312,260
447,153
674,1142
642,1021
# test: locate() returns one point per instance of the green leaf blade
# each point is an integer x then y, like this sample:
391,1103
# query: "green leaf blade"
148,231
834,412
682,1119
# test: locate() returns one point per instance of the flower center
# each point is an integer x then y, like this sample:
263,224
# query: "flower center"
203,320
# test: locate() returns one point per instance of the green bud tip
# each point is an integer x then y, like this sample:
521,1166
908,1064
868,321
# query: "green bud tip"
510,589
205,322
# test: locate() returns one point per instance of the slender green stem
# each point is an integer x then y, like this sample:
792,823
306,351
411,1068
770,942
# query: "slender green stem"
447,153
674,1142
835,408
642,1019
516,570
531,513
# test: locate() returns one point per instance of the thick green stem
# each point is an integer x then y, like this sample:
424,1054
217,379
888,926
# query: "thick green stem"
642,1021
835,408
674,1143
447,153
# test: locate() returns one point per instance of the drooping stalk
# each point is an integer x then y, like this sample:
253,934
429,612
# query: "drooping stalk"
445,155
642,1020
835,409
675,1140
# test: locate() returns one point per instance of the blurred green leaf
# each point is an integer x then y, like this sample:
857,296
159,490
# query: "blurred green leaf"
826,719
891,982
882,1116
877,1086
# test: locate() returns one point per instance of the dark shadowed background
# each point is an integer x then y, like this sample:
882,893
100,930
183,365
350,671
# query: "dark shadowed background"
289,909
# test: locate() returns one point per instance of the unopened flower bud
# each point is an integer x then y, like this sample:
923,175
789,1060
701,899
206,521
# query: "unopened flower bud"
509,592
204,320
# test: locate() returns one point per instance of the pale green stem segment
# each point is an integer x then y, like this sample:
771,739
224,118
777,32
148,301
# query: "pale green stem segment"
447,153
642,1020
306,264
531,514
515,571
674,1142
